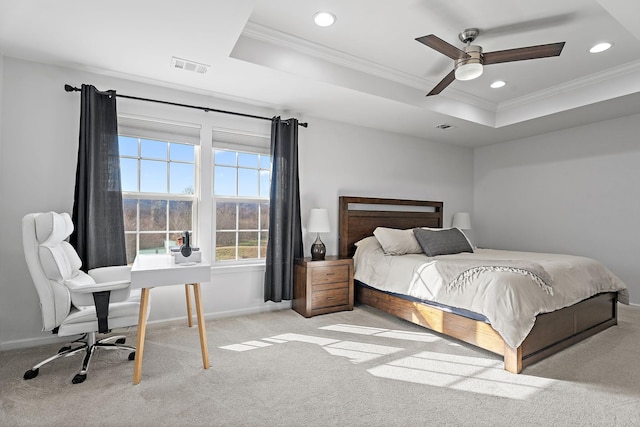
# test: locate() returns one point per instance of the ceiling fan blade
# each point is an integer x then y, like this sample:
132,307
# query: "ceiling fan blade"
442,46
523,53
448,79
535,24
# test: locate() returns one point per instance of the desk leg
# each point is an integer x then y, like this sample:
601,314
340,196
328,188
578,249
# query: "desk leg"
189,314
201,331
142,329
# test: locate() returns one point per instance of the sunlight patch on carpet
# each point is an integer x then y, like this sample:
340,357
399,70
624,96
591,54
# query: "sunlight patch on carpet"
379,332
463,373
471,374
353,329
358,352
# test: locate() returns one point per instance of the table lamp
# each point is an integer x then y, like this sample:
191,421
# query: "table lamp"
318,223
462,221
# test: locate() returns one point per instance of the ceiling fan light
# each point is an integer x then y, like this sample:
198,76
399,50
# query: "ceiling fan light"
470,67
469,71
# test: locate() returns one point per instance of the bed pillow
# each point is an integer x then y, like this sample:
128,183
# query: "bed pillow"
443,242
466,234
397,242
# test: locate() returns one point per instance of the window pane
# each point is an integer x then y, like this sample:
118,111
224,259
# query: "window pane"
225,246
128,146
265,183
153,215
224,181
130,241
248,216
129,207
153,149
265,162
263,244
247,183
247,245
264,216
180,215
223,157
248,160
153,176
129,174
182,178
153,243
181,152
226,216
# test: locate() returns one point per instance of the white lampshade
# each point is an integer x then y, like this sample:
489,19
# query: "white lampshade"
318,221
462,221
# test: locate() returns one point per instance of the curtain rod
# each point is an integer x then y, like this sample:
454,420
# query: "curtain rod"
70,88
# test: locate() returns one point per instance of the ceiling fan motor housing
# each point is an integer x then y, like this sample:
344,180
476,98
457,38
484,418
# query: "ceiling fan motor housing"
471,67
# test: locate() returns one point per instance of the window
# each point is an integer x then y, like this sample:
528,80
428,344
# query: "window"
241,185
159,192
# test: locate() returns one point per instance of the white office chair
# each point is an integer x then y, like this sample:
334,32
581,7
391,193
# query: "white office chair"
74,302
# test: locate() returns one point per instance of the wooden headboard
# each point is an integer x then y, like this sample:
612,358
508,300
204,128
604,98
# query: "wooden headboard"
359,216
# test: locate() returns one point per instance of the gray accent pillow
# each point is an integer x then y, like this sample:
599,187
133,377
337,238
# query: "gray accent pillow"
444,242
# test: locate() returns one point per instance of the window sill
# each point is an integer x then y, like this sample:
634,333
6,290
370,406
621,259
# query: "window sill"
224,269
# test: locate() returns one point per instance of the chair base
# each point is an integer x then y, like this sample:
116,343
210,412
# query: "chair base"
89,344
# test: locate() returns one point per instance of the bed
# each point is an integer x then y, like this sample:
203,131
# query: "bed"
549,333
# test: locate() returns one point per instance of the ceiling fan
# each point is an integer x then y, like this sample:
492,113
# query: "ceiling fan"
468,63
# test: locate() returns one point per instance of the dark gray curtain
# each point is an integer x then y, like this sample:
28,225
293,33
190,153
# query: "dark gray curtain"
285,230
97,209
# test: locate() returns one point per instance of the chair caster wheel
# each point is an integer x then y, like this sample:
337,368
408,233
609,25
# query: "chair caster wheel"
31,373
79,378
121,340
63,349
132,356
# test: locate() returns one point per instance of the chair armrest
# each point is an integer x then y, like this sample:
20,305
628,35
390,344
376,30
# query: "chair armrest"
111,274
84,284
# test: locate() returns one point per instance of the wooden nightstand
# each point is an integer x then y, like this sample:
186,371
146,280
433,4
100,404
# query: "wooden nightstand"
323,286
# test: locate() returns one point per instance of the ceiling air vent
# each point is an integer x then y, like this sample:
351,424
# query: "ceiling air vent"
183,64
444,126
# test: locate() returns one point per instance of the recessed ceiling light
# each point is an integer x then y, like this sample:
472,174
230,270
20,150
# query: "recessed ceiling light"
497,84
324,19
600,47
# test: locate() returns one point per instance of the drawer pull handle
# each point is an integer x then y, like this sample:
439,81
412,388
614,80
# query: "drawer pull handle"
330,274
329,298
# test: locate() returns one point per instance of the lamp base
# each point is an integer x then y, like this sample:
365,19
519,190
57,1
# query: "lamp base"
318,250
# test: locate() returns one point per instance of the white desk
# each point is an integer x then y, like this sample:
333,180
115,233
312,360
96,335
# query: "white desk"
149,271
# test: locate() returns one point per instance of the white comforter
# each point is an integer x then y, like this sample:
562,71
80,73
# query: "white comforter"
508,300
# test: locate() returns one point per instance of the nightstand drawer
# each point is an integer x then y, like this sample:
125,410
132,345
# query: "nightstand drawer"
330,298
330,274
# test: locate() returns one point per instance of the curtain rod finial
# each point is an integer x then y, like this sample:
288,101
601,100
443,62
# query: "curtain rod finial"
69,88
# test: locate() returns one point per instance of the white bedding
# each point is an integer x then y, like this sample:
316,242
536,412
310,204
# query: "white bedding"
508,300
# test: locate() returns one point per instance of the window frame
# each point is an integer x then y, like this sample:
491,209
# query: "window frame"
157,196
262,149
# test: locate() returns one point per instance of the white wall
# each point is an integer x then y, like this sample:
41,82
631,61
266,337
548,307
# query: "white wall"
38,142
573,191
338,159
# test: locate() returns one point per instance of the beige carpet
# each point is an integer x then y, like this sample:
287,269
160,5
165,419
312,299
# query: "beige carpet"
359,368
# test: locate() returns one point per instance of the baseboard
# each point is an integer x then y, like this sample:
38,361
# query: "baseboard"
285,305
32,342
52,339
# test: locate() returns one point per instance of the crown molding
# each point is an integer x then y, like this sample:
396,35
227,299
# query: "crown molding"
584,82
271,36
